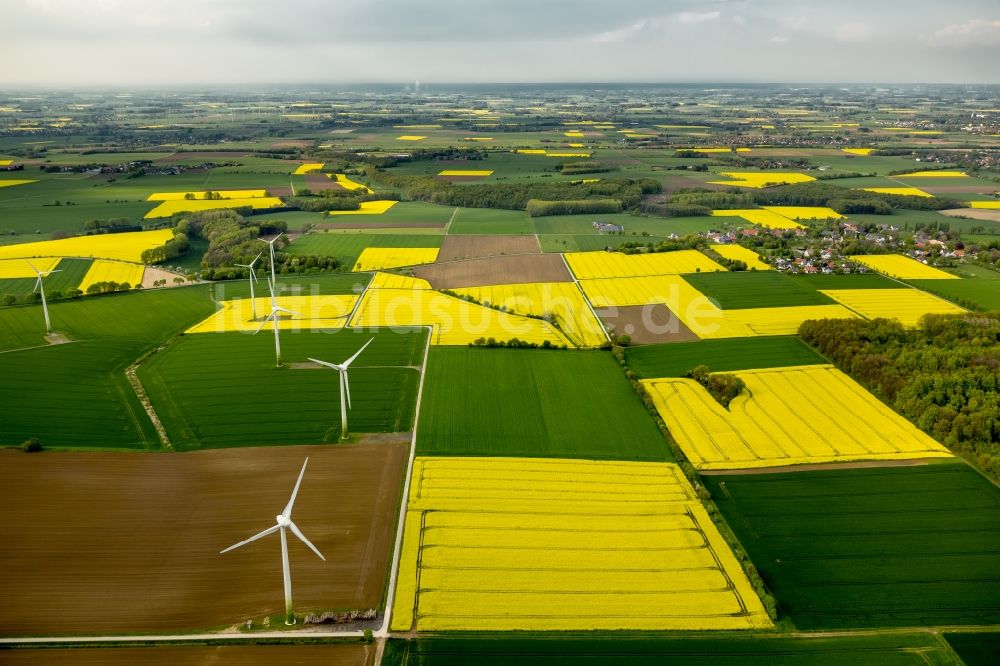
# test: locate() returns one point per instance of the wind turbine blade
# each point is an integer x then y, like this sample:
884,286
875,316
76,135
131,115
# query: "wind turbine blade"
278,236
256,258
48,273
302,537
269,530
291,312
263,323
288,507
347,388
329,365
38,284
357,353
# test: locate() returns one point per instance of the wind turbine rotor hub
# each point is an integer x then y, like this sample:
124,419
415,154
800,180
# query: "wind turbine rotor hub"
284,521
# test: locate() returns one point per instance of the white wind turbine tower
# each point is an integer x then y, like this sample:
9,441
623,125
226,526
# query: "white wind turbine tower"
345,386
270,244
284,521
253,278
41,289
273,317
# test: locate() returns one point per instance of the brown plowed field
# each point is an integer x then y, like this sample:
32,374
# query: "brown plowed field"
645,324
190,655
110,543
474,247
516,269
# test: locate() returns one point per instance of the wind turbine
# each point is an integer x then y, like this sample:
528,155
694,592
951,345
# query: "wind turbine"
270,244
41,289
284,520
253,278
275,309
345,386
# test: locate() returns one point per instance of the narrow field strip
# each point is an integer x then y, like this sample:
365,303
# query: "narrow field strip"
900,267
502,544
309,312
590,265
787,416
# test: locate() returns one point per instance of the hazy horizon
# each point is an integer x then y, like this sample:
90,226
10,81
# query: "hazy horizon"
186,43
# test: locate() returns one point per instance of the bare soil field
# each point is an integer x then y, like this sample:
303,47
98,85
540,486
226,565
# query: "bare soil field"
154,273
517,269
320,182
184,655
974,213
645,324
114,543
473,247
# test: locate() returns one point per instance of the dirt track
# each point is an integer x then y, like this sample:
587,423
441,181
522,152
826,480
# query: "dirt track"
112,543
508,269
183,655
474,247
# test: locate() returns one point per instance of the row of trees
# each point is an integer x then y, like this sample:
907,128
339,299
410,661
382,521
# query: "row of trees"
540,208
945,377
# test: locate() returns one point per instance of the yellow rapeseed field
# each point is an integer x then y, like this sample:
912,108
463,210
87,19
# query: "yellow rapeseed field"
168,208
19,268
984,204
599,264
858,151
507,544
307,168
410,137
367,208
105,270
900,267
123,247
806,212
740,253
933,174
349,184
761,179
906,305
220,194
564,154
4,163
898,191
12,183
575,145
406,303
702,316
377,258
311,312
563,301
466,172
786,416
530,151
760,217
392,281
574,134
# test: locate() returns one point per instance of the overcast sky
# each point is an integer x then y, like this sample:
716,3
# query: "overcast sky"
170,42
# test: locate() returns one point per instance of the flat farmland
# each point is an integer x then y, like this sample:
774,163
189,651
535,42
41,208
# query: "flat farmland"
875,547
726,355
975,648
327,654
73,395
502,544
509,269
890,650
755,289
786,416
533,403
129,543
223,390
490,221
979,285
471,247
346,247
328,284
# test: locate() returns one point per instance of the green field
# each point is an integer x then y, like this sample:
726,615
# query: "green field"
893,650
979,286
294,284
726,355
73,395
849,281
222,389
347,246
510,402
755,289
70,275
874,547
976,649
147,317
590,243
490,221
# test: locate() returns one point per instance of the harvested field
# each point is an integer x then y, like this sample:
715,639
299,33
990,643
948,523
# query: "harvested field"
495,270
327,654
126,543
974,213
474,247
646,324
